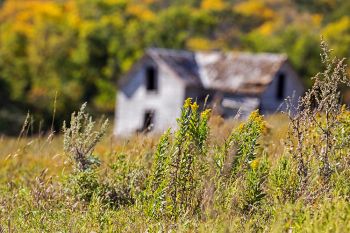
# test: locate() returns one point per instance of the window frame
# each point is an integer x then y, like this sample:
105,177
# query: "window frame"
149,116
281,85
151,79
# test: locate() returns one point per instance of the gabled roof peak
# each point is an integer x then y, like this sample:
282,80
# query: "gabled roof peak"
169,52
182,52
238,72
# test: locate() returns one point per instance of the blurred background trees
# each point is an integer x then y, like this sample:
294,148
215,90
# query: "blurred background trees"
76,50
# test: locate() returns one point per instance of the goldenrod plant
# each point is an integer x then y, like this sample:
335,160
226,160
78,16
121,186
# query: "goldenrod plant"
178,167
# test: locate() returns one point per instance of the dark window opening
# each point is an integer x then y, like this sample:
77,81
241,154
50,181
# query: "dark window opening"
281,79
148,122
151,79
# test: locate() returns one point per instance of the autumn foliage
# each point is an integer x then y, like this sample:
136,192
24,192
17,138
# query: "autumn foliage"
76,50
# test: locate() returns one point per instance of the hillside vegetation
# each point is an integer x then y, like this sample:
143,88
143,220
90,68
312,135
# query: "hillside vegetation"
76,50
286,173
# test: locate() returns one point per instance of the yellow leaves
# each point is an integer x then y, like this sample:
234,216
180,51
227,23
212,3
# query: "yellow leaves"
73,14
141,12
74,20
127,64
108,20
34,8
49,9
112,2
148,1
213,5
316,19
267,28
22,15
254,8
337,28
198,43
338,35
87,27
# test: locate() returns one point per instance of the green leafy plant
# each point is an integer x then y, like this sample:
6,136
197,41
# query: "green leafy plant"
178,170
241,147
157,184
84,185
239,169
252,190
283,181
125,184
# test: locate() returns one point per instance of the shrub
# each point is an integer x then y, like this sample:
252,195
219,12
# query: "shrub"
80,139
118,189
84,185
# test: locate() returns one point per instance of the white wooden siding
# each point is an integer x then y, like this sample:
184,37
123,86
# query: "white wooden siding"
293,86
133,100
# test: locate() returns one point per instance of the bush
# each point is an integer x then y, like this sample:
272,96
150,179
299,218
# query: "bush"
80,139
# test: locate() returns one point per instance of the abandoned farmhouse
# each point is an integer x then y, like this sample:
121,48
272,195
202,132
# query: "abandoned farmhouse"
151,94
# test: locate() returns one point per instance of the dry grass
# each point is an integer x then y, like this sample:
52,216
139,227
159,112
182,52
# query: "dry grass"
273,174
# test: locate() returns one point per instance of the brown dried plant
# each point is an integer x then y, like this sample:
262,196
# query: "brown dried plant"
80,138
316,118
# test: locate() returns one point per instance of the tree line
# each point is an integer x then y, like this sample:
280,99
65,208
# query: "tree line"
54,55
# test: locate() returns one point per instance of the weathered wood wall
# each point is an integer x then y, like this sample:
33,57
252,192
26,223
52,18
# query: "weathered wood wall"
293,86
133,100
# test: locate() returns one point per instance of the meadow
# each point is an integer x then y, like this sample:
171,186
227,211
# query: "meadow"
282,173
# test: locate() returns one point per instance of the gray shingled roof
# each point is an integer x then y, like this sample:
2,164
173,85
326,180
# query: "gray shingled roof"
183,63
232,72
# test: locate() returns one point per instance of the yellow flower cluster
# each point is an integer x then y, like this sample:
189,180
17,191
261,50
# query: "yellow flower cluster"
205,113
256,117
255,164
194,107
188,103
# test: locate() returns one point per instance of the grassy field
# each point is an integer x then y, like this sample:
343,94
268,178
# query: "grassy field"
36,190
281,173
